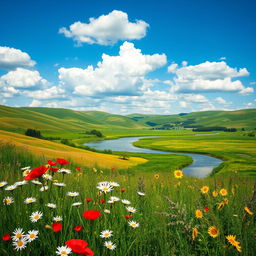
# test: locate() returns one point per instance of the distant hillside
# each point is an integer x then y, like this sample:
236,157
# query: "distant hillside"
244,118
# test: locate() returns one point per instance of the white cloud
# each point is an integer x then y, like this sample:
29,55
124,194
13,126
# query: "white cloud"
172,68
183,104
53,92
35,103
222,58
221,101
11,58
184,63
106,29
246,91
209,76
114,75
8,92
21,78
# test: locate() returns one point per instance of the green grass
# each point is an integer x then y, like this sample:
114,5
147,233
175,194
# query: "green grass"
165,226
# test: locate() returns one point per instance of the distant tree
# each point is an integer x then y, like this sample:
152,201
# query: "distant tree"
33,133
95,132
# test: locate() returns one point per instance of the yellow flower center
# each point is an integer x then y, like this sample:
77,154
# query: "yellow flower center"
20,243
36,217
63,253
19,235
109,246
32,235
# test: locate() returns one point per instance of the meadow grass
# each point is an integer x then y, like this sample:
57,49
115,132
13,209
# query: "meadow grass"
166,213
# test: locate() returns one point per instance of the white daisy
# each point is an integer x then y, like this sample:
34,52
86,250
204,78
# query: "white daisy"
18,234
106,187
72,194
25,173
29,200
25,168
63,250
141,193
50,205
124,201
20,244
20,183
8,200
57,218
10,188
76,204
107,211
114,184
133,224
114,198
106,233
59,184
36,182
44,188
35,216
32,235
110,245
2,184
47,176
110,202
130,209
64,171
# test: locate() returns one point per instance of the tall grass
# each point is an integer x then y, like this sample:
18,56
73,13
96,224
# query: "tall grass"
166,213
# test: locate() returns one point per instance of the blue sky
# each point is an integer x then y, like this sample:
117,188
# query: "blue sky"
126,57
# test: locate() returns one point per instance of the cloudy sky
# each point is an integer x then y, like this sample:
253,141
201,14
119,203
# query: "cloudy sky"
162,57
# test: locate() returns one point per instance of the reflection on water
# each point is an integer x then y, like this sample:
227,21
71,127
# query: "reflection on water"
201,167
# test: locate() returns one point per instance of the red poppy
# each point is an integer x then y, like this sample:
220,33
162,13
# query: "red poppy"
52,163
112,169
62,161
88,252
78,168
78,228
206,209
77,246
6,237
88,199
128,216
54,169
122,189
56,227
36,172
91,215
102,201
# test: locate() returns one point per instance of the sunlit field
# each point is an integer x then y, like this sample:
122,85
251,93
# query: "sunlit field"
71,209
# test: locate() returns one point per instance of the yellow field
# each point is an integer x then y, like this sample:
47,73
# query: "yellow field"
53,150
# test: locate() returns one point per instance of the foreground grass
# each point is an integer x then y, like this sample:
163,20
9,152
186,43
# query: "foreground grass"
166,213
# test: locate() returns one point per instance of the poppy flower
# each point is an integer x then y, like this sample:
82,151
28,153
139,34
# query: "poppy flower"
206,209
6,237
88,199
52,163
102,201
122,190
112,169
91,215
54,169
78,228
88,252
77,246
78,168
62,161
36,172
56,227
128,216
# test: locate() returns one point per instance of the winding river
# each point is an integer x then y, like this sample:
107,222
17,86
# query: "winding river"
201,167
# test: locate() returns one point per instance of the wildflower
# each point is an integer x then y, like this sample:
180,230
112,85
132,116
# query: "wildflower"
63,250
213,231
106,233
105,187
18,234
124,201
56,226
10,188
8,200
20,244
57,218
133,224
29,200
232,240
122,190
194,233
20,183
78,168
52,163
88,199
178,174
6,237
111,201
215,193
235,215
223,192
44,188
232,191
25,173
36,172
206,209
248,210
113,184
199,214
72,194
156,176
77,246
220,206
130,209
110,245
205,189
36,182
54,169
47,176
64,171
91,215
140,193
62,161
25,168
2,184
35,216
107,211
114,198
32,235
76,204
78,228
102,201
128,216
94,169
50,205
58,184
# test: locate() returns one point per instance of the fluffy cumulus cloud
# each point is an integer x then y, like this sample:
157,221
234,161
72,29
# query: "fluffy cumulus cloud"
221,101
210,76
106,29
11,58
114,75
54,92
